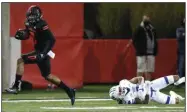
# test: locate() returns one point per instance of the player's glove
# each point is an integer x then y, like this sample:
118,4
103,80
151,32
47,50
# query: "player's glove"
146,101
22,34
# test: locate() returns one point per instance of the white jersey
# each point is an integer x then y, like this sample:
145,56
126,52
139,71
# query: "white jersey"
130,91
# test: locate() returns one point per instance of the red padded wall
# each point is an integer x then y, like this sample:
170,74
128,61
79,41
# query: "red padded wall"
108,61
112,60
64,19
66,22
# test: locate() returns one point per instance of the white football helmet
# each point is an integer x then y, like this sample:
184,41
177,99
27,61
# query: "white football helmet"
113,92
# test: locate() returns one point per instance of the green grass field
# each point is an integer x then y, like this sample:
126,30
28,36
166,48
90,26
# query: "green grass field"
91,98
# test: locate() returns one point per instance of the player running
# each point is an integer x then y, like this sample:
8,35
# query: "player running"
138,91
43,43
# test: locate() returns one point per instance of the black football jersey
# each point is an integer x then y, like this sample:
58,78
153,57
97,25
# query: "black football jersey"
43,37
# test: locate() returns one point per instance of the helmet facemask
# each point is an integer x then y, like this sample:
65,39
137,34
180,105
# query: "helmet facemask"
114,92
34,14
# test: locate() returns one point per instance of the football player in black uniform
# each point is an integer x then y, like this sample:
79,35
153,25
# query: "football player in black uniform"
43,43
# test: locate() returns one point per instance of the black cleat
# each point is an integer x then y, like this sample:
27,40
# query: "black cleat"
12,90
71,94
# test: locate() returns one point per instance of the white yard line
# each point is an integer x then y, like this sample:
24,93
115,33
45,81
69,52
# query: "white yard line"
110,108
147,107
174,110
54,97
56,100
128,107
85,108
87,97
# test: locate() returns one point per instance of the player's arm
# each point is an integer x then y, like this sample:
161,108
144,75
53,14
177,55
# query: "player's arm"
137,80
50,40
49,43
146,101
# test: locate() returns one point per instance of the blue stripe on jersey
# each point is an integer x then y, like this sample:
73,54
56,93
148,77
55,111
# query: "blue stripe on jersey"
168,100
137,88
152,90
166,79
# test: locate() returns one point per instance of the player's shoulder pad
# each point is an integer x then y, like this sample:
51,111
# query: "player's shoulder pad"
42,25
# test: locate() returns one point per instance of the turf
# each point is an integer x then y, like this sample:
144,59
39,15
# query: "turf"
90,92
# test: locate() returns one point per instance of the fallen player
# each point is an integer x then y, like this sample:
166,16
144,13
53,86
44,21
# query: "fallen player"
138,91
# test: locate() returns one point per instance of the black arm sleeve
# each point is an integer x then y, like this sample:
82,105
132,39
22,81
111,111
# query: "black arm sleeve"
49,42
48,46
47,35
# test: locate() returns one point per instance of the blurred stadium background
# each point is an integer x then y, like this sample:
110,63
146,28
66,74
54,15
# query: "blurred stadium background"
91,52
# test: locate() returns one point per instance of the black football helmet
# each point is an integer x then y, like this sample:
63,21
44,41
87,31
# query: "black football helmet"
34,14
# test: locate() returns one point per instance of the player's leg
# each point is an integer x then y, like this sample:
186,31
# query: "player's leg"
25,59
150,65
163,82
164,99
141,65
19,71
181,72
45,69
181,64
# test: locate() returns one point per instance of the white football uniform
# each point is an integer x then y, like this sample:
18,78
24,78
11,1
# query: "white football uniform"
152,88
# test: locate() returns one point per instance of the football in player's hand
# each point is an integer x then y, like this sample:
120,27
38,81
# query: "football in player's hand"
22,34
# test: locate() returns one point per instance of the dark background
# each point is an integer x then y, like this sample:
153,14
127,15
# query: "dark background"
118,20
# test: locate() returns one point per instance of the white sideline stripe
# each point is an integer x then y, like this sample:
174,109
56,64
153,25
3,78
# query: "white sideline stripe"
56,100
83,108
160,107
43,98
174,110
108,108
86,97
